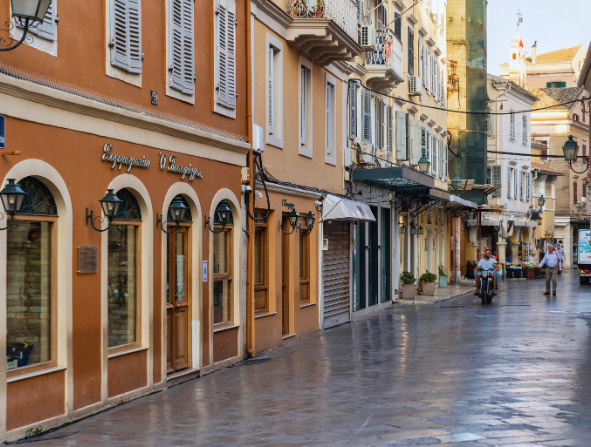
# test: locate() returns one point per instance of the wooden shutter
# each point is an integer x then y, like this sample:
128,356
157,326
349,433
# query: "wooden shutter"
509,181
415,145
303,105
529,186
182,72
353,111
496,180
126,49
421,61
390,132
226,54
329,118
48,28
446,162
366,115
423,142
401,135
270,111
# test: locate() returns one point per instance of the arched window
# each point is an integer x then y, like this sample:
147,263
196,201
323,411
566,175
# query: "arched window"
123,281
31,266
223,273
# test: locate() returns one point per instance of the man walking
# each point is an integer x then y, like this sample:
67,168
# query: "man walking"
560,252
553,265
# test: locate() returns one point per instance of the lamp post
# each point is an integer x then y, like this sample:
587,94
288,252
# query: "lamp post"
27,13
570,149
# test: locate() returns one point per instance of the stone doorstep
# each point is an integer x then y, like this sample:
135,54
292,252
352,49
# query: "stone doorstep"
440,295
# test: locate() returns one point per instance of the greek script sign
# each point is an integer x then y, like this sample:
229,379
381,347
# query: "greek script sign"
121,161
287,204
184,171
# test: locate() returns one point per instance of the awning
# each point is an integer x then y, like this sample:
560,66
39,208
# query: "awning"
395,178
455,200
519,223
339,208
489,222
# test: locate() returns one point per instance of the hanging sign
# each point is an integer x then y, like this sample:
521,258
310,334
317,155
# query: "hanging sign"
2,132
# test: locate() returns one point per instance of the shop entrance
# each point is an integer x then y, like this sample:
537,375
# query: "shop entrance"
178,306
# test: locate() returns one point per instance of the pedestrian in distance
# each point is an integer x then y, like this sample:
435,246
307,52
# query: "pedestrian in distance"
560,252
553,265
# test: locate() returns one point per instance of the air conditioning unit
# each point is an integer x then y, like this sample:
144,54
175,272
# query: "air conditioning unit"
258,138
415,85
367,37
365,157
348,157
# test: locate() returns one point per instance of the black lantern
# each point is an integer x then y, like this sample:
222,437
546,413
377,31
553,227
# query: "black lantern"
413,229
222,216
27,13
12,199
309,221
420,230
541,200
570,149
424,164
110,205
176,214
402,229
456,182
293,218
578,206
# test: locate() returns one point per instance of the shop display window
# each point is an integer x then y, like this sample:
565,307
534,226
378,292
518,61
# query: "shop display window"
123,273
223,274
304,268
261,253
30,264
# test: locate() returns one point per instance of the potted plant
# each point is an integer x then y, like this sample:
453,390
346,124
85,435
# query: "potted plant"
442,277
428,282
319,9
407,286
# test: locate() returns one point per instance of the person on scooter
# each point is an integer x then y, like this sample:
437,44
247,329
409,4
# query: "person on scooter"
486,263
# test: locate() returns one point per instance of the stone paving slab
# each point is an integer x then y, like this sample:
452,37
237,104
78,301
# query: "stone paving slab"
517,372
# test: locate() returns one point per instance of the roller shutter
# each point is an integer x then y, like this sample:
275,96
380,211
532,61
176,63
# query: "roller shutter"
335,273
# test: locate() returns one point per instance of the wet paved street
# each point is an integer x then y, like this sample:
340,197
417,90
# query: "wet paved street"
517,372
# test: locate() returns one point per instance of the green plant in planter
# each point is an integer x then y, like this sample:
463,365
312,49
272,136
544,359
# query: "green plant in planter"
442,271
428,277
407,278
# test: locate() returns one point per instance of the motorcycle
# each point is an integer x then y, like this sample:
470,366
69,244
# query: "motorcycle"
486,287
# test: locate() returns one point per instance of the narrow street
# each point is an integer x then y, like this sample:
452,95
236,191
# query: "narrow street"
517,372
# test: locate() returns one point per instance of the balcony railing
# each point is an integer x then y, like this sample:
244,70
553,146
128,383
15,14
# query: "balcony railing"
342,12
388,54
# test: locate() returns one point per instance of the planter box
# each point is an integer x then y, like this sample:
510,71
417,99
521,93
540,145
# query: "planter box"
407,291
442,282
429,288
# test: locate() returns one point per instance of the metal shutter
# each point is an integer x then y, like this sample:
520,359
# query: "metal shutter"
335,274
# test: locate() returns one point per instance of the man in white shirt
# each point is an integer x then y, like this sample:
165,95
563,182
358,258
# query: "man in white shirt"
553,265
486,263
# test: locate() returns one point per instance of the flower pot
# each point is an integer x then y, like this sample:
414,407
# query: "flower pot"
407,291
429,288
442,281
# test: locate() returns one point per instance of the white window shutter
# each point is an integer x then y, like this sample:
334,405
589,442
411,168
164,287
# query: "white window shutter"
415,141
231,54
423,142
400,132
446,163
496,180
366,97
119,35
176,45
48,28
303,105
352,111
509,181
270,111
328,124
188,47
421,71
390,130
135,36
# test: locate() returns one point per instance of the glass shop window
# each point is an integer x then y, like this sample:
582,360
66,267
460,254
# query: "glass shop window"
223,274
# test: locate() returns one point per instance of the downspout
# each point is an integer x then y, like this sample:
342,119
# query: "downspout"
250,330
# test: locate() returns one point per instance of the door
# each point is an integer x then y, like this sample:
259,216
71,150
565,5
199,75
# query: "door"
178,307
285,281
335,274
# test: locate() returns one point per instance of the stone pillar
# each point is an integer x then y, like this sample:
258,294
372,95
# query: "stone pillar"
502,246
515,252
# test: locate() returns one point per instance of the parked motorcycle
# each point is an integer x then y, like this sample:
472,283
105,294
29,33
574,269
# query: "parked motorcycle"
486,287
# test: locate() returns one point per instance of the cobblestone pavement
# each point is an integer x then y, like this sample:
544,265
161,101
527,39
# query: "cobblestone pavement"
514,373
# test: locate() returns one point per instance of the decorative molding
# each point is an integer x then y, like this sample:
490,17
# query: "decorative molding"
290,190
400,5
413,109
423,117
422,32
398,100
412,19
430,42
431,123
273,11
437,51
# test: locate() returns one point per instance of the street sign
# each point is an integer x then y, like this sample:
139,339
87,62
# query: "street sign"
2,132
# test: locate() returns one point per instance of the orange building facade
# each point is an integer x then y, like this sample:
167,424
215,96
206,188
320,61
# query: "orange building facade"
147,99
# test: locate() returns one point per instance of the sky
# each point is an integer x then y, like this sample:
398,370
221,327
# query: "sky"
554,24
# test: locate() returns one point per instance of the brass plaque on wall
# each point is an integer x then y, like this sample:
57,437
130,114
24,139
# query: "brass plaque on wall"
87,259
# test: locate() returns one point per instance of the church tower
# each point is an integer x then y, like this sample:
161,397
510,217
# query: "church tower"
515,69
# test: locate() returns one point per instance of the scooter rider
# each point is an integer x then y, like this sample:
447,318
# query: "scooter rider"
486,263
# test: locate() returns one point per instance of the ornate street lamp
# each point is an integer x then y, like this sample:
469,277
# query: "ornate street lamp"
402,229
110,204
293,218
420,231
176,213
12,199
222,216
570,149
424,164
456,182
27,13
541,200
309,221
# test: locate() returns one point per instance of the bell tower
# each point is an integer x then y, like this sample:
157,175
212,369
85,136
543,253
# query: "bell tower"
515,69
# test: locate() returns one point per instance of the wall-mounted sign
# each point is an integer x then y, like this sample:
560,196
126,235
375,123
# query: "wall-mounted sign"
174,168
204,273
121,160
87,259
2,132
287,204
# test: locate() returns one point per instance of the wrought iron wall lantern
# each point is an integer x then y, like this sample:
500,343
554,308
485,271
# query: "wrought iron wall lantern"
413,229
110,204
222,216
541,200
309,221
424,164
570,149
28,14
402,229
176,214
293,218
12,198
456,182
420,230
